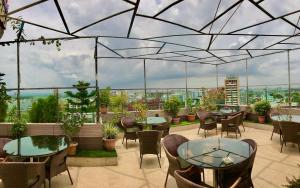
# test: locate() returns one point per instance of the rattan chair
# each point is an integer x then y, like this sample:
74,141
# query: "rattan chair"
150,144
276,127
241,123
189,178
3,141
57,164
23,174
130,128
231,124
165,127
290,133
207,122
241,171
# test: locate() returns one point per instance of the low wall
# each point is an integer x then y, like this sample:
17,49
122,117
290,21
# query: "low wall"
89,136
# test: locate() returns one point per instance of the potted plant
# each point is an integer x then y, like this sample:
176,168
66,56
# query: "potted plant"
71,124
172,107
110,135
141,110
261,108
191,116
104,99
18,127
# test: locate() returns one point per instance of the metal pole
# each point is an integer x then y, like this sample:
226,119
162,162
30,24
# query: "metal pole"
186,84
289,77
145,81
19,82
247,84
266,93
96,79
217,76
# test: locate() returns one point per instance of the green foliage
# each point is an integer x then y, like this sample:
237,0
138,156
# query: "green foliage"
262,107
119,102
83,99
45,110
172,106
293,183
71,123
212,98
96,153
190,107
104,96
110,130
141,109
18,127
295,97
4,99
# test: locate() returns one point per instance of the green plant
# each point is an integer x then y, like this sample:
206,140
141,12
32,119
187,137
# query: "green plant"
293,183
71,123
262,107
4,99
18,127
83,99
141,109
110,130
104,96
172,106
191,110
212,98
119,102
45,110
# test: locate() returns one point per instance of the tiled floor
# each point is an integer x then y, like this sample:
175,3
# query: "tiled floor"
270,168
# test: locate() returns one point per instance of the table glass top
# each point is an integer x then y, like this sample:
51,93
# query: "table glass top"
294,118
154,120
214,152
31,146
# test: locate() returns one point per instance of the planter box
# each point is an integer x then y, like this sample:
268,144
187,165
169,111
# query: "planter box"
91,161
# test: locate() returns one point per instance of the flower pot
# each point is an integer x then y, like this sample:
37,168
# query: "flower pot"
261,119
103,109
109,144
191,117
72,148
176,120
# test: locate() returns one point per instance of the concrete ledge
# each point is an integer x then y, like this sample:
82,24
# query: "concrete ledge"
92,161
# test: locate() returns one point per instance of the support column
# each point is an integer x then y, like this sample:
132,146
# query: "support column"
145,82
217,76
186,84
96,80
19,82
289,79
247,84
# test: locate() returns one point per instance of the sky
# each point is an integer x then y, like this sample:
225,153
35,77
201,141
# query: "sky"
44,66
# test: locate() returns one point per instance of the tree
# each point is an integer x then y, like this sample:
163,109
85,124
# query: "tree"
82,101
4,99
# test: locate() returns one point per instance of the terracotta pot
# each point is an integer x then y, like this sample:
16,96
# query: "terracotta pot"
103,109
261,119
109,144
191,117
176,120
72,148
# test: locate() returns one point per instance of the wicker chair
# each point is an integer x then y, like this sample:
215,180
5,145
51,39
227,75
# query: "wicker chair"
170,144
57,164
189,178
130,128
207,122
150,144
23,174
165,127
3,141
241,123
231,125
290,133
276,127
241,171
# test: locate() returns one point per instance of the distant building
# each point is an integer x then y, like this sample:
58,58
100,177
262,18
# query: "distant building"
232,90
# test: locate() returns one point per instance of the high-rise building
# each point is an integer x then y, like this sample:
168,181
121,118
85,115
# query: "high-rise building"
232,90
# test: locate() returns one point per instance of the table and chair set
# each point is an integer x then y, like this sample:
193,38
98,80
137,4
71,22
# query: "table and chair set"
32,159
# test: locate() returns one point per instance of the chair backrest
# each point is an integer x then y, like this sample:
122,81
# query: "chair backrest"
276,125
165,127
58,163
23,174
189,178
3,141
149,141
203,115
228,176
241,117
290,131
127,122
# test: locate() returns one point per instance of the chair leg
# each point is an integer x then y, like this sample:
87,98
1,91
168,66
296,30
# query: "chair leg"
235,134
281,147
69,175
158,161
166,179
141,161
203,176
243,127
126,143
240,132
272,134
198,130
123,139
204,133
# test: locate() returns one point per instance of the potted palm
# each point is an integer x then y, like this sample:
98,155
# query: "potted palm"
191,116
171,106
104,99
261,108
110,135
71,124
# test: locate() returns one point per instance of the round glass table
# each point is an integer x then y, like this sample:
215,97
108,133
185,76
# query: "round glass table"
36,146
154,121
214,153
293,118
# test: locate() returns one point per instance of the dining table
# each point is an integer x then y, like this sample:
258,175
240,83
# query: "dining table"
214,153
286,117
36,146
152,121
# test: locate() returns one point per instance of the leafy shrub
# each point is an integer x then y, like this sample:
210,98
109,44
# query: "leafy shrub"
172,106
110,130
18,127
4,99
104,96
71,123
262,107
45,110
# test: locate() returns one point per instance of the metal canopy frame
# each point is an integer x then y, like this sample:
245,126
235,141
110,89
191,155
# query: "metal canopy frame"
211,59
